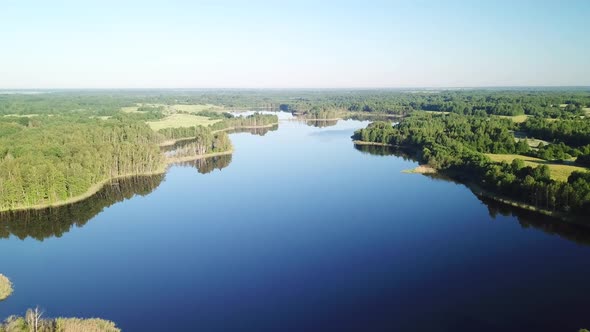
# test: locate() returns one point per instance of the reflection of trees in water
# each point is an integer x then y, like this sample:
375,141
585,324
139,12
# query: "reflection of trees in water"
207,165
527,219
377,150
50,222
255,131
578,233
321,123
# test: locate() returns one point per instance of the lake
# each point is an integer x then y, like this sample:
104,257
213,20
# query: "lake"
298,230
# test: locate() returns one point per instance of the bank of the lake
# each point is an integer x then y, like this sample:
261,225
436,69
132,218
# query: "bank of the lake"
162,169
478,190
98,186
357,142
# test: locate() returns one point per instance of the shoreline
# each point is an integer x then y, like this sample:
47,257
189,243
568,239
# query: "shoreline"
372,143
95,188
480,192
172,161
99,185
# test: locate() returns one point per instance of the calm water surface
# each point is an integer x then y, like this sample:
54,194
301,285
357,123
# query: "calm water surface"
298,231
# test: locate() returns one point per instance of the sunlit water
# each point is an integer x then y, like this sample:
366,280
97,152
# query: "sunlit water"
298,231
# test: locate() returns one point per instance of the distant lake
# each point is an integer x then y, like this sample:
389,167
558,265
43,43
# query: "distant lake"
298,230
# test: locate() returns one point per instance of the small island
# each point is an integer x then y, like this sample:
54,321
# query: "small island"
5,287
34,319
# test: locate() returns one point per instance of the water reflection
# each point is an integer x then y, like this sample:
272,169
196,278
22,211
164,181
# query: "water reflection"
321,123
527,219
579,233
54,222
377,150
208,165
170,150
255,131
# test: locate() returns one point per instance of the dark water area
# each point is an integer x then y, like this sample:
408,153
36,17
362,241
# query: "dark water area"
298,230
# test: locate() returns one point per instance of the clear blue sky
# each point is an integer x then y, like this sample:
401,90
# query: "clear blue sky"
282,44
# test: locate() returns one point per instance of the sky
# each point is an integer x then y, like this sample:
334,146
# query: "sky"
293,44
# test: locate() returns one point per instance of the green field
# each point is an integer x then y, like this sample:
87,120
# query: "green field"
436,112
516,118
179,121
559,172
129,109
196,108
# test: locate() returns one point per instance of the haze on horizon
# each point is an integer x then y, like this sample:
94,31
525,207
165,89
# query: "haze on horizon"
293,44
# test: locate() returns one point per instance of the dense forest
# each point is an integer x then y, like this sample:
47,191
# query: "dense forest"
456,145
546,102
205,141
56,221
56,147
52,159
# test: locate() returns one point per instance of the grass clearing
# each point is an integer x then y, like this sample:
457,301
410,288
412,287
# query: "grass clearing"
587,110
21,115
180,121
130,109
515,118
197,108
436,112
559,171
5,287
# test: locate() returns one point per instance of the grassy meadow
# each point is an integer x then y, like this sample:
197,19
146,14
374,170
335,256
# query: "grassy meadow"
559,172
180,121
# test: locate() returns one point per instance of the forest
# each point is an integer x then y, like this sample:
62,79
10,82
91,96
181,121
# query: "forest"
56,154
457,145
56,146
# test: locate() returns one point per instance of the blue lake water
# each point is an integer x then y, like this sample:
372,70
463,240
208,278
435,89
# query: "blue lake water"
298,230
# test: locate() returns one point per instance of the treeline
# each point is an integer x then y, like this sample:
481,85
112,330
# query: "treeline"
483,134
205,141
574,132
456,144
548,103
60,157
318,114
57,221
535,102
82,103
253,120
